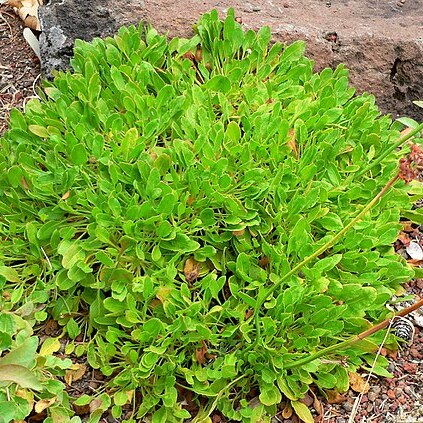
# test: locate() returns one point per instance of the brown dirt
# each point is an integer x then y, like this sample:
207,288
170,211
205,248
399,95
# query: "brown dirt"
389,400
19,67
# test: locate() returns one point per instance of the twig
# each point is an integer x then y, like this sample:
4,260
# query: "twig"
8,24
360,396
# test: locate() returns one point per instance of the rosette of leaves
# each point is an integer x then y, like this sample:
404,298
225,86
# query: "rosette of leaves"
152,197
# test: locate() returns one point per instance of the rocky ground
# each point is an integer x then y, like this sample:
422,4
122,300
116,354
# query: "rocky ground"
399,399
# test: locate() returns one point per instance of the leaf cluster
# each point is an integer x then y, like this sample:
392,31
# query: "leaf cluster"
152,196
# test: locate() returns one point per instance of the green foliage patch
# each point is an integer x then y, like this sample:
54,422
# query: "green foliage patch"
152,198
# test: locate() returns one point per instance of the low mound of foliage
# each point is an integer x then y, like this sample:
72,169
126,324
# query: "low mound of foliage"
198,215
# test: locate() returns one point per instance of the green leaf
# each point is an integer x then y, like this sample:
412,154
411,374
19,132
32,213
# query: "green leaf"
411,123
270,394
293,52
302,411
327,263
79,155
233,132
14,373
23,355
182,244
50,346
331,221
218,83
71,252
129,142
39,130
10,274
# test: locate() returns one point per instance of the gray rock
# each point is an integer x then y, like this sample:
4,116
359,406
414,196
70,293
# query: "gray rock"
63,21
379,42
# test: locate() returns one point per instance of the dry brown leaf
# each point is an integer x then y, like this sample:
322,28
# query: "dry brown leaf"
200,353
75,373
415,262
264,262
248,313
66,195
358,384
24,183
191,269
238,233
405,131
26,395
14,3
335,397
95,404
287,411
407,226
27,10
43,404
404,238
292,144
319,409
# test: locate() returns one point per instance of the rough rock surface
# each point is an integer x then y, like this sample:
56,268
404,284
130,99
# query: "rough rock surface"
381,42
63,21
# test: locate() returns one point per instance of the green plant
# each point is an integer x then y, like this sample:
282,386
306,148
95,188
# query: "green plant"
25,375
183,208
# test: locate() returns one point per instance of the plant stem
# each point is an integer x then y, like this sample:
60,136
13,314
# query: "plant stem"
318,252
355,339
389,150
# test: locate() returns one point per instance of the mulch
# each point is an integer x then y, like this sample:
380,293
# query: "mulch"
19,66
395,400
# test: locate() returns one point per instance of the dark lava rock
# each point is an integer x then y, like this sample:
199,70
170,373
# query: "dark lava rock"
63,21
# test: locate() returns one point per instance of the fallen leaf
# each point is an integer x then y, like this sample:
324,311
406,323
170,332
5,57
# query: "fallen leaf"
335,397
407,226
75,373
191,269
415,251
406,131
319,409
66,195
200,353
27,10
404,238
95,404
358,384
414,262
43,404
287,411
264,262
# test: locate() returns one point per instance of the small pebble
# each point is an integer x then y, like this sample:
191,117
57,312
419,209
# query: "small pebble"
410,367
402,399
347,406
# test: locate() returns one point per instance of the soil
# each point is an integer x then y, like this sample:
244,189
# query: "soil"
19,66
399,399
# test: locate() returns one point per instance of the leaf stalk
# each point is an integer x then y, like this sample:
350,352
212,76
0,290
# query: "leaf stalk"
317,253
355,339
